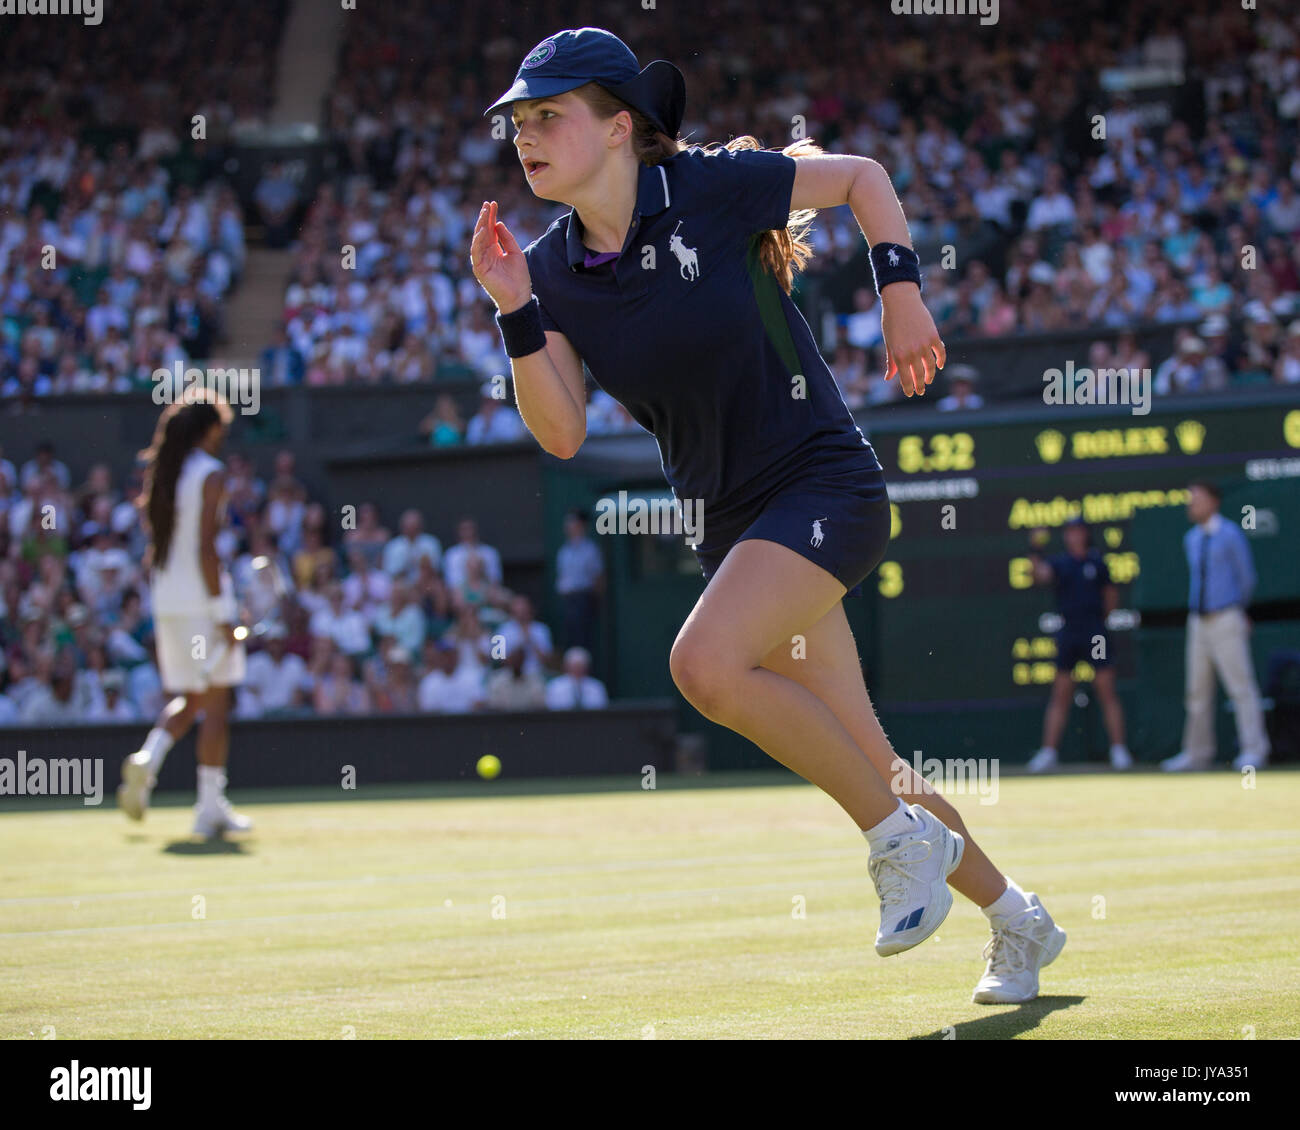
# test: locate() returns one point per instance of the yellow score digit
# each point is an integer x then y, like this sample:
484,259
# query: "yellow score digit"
891,579
1291,429
954,452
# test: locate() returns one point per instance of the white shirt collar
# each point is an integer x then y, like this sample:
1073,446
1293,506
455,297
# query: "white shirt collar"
1212,523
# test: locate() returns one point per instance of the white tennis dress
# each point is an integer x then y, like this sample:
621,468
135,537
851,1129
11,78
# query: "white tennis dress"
188,637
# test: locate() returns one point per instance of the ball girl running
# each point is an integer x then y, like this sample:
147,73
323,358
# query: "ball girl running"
670,278
199,659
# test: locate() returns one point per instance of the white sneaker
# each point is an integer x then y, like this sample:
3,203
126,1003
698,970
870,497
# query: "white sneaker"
1044,761
1021,945
1250,760
1120,759
911,877
218,817
1184,762
137,784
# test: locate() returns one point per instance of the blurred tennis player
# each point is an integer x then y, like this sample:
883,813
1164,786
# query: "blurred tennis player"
194,611
670,278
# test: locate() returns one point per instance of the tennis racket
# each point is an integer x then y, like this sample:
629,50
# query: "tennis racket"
260,603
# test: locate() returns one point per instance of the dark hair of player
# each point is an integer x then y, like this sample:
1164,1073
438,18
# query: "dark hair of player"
179,430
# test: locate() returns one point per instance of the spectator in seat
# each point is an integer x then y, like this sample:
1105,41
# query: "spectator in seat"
114,705
370,536
453,565
530,635
402,553
961,380
576,689
280,363
512,688
339,691
443,426
277,680
449,687
397,693
495,421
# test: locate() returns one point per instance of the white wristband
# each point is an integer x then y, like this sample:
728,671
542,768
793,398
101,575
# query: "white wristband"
222,608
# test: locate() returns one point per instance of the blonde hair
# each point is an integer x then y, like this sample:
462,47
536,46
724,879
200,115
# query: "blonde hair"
781,251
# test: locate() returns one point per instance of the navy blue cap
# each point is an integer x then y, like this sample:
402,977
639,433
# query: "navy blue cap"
574,57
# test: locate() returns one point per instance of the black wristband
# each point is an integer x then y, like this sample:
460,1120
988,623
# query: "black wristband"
892,262
521,330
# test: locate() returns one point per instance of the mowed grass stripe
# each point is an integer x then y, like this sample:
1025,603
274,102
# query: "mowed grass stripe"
1196,938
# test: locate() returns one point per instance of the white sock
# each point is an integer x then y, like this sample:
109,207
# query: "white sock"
1049,749
156,746
898,821
212,785
1118,747
1011,900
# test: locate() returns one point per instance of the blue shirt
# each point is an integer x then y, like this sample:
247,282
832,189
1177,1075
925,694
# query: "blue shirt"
578,565
1228,568
1079,584
693,337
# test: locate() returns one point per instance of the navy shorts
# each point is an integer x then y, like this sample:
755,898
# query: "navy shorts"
836,515
1075,644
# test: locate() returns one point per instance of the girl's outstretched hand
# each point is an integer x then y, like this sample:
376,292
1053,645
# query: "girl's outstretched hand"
497,261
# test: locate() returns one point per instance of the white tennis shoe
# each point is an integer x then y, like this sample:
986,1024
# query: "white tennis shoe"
213,819
137,784
1184,762
1021,945
911,876
1044,761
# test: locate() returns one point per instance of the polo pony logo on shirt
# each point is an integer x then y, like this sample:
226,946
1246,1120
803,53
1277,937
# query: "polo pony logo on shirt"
690,262
817,536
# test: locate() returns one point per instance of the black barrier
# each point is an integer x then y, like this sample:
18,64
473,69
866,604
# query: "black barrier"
623,738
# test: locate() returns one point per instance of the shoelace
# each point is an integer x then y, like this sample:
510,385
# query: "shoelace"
1005,951
891,875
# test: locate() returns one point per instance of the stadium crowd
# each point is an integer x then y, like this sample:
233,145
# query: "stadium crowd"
990,151
117,245
993,153
377,621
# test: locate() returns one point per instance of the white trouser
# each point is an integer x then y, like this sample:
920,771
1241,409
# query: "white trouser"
1221,641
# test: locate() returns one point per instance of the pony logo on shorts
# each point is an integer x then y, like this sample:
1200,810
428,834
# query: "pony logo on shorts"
686,256
817,536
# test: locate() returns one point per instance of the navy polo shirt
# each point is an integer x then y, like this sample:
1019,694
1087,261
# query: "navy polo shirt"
686,329
1079,584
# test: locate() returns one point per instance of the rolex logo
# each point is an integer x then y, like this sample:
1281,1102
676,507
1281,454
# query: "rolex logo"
1191,434
1050,445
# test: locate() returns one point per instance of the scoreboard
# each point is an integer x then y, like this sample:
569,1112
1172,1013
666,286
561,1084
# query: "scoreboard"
959,620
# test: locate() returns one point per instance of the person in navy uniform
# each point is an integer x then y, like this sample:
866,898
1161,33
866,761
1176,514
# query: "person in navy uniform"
1085,596
670,278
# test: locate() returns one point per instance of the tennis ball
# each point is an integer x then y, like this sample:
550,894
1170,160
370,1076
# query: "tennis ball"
489,765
